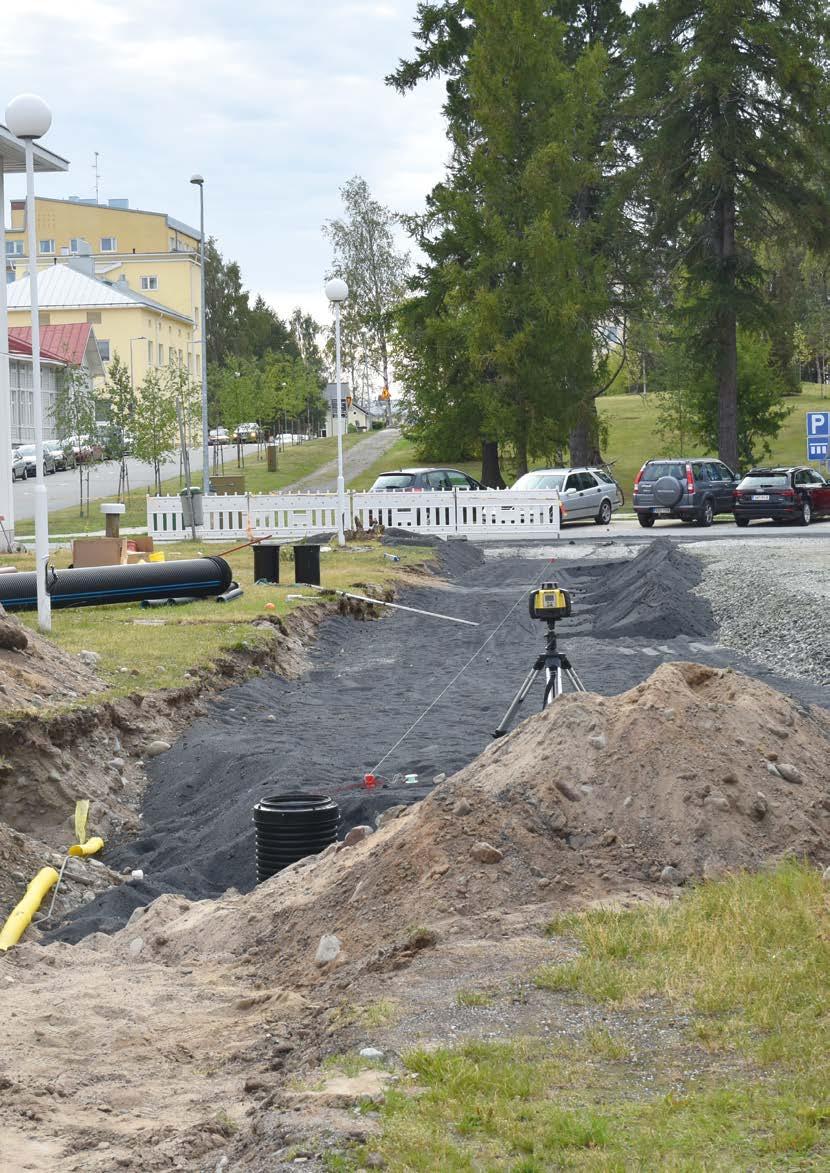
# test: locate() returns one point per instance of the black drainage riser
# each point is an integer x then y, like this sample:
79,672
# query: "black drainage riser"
290,827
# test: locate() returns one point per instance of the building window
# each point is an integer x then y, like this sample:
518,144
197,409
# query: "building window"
109,244
181,357
104,348
47,246
174,244
14,248
149,354
93,317
199,365
149,282
161,355
73,244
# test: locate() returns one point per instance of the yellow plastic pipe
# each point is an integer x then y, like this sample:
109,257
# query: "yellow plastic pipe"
91,846
21,916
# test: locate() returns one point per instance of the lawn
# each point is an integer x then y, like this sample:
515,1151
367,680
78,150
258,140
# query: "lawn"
294,463
143,650
718,1056
633,439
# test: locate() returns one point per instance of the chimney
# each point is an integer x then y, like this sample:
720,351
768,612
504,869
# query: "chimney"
82,263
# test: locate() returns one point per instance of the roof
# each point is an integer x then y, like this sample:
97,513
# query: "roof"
23,348
62,287
72,342
180,226
13,156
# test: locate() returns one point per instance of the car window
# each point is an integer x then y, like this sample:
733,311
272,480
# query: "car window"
726,474
802,477
394,480
764,480
458,479
700,471
815,478
602,476
437,479
572,482
664,468
586,481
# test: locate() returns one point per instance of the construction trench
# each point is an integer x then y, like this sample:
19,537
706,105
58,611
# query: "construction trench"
200,1009
370,682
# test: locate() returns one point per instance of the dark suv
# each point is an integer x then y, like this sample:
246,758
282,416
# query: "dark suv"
784,494
693,490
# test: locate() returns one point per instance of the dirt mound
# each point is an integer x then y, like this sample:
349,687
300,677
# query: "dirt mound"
596,795
34,671
650,596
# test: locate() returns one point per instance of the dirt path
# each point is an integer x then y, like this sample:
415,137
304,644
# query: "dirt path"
355,461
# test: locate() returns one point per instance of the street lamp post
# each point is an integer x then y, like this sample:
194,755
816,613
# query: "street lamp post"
28,117
199,180
337,291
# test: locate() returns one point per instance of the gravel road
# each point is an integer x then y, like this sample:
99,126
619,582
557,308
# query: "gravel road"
771,601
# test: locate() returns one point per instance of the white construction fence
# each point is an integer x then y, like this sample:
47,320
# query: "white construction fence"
480,514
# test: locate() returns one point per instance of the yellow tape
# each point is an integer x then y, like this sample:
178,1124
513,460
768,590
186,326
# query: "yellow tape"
91,847
81,814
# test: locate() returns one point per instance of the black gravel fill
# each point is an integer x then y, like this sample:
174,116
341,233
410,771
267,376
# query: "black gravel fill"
367,684
651,597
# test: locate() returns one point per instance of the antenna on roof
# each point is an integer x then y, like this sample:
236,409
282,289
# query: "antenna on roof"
97,177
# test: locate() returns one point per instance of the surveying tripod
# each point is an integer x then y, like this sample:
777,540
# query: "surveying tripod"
556,665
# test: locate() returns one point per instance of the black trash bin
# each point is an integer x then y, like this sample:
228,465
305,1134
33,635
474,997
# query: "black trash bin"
266,563
307,565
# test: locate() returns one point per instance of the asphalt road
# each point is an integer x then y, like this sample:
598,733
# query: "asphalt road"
62,487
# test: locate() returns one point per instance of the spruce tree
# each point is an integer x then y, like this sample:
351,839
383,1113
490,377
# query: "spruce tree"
731,104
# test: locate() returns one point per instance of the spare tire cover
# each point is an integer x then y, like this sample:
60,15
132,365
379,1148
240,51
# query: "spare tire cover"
668,491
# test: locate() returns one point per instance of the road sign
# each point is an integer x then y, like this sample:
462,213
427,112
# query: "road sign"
818,435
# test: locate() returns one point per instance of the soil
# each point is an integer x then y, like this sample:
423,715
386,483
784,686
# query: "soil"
197,1029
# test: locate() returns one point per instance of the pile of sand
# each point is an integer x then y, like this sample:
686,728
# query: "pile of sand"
699,770
34,671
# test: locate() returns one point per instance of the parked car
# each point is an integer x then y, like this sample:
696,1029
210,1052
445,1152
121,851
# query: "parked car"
64,457
27,452
784,493
693,490
418,480
20,467
584,493
84,448
218,436
247,433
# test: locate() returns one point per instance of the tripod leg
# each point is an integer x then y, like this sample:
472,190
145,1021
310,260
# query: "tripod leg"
576,683
527,684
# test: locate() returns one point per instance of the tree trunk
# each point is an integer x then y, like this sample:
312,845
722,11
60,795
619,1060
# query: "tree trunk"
583,440
521,456
491,476
727,336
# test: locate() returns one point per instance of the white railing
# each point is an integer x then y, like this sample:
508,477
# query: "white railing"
483,514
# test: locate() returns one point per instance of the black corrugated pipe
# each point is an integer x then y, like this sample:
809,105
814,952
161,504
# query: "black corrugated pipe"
290,827
92,586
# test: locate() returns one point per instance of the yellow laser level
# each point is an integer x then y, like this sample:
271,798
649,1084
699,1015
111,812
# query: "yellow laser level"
549,602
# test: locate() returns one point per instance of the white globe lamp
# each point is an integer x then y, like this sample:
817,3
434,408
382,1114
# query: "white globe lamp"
28,116
337,290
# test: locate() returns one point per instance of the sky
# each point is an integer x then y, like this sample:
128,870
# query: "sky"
275,102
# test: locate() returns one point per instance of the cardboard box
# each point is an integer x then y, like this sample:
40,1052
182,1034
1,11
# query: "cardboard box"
110,551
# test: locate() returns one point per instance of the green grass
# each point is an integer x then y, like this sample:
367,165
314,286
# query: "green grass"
294,463
143,650
633,439
749,955
474,998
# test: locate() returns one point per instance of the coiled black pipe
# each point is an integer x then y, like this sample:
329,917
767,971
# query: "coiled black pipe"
92,586
290,827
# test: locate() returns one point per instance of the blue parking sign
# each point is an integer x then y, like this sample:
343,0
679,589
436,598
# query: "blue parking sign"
818,425
818,449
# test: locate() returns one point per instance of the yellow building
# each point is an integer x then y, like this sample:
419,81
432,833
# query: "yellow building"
157,256
143,332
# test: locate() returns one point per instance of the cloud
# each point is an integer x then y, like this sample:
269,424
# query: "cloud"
276,103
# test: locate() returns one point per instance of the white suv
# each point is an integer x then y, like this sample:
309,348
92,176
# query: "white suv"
584,493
